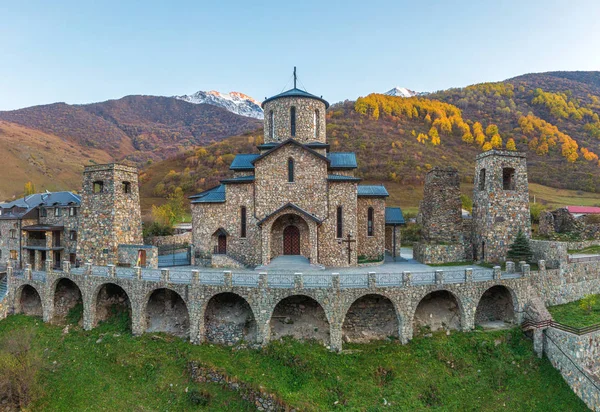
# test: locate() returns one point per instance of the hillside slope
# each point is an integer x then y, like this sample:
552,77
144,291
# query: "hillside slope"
47,160
135,127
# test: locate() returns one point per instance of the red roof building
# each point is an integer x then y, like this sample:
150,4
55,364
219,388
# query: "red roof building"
584,210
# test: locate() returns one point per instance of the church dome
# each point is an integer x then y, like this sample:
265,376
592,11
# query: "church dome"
295,92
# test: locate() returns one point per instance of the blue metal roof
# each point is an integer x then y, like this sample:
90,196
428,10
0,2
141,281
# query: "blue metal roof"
342,178
394,216
214,195
20,207
372,191
239,179
340,160
295,92
243,162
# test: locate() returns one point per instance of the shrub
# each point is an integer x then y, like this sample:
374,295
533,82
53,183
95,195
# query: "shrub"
19,369
588,303
520,249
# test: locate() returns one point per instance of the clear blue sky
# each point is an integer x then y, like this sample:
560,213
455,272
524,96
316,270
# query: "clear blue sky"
85,51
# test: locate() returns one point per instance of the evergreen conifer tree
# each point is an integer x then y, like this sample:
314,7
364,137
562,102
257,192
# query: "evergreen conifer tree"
520,249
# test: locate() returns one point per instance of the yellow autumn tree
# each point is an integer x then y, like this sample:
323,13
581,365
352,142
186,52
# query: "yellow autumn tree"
467,138
510,145
496,141
434,135
422,137
491,130
487,146
29,188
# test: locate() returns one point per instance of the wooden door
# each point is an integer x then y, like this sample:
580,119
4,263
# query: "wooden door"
291,241
142,258
222,248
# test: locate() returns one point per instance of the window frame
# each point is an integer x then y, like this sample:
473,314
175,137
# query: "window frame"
73,235
339,223
43,212
291,166
98,187
293,121
370,222
243,222
481,182
509,179
58,211
126,187
272,125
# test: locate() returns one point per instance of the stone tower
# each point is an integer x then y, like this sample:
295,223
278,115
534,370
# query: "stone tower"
295,114
500,203
110,212
440,212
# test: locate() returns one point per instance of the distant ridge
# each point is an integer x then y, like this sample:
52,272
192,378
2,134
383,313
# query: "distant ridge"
235,102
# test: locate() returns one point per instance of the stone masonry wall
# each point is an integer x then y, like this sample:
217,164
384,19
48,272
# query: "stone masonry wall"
499,214
128,255
305,120
70,223
576,357
109,218
8,243
440,211
371,247
571,282
169,240
308,191
436,254
389,239
553,253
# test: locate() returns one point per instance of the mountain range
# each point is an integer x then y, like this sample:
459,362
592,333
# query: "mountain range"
160,134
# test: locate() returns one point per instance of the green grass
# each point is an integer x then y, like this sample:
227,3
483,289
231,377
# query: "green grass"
587,250
479,371
572,314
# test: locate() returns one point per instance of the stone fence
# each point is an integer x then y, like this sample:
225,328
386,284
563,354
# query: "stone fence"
265,295
183,238
578,360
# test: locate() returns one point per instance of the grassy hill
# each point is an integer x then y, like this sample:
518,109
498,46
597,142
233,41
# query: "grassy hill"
108,369
49,161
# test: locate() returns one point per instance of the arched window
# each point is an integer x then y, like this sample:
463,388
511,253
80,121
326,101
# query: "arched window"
243,221
370,217
272,124
290,170
482,179
316,124
293,121
340,223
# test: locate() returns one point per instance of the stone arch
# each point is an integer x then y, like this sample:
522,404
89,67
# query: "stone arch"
278,231
229,319
371,317
439,309
167,312
497,305
67,297
28,301
301,317
110,299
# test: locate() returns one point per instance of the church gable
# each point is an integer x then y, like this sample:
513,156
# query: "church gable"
291,174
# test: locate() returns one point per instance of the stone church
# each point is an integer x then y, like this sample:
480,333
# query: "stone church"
294,197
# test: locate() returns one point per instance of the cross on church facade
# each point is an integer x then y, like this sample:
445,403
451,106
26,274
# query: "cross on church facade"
349,241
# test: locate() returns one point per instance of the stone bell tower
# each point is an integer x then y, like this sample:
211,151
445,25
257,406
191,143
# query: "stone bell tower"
500,203
110,212
295,114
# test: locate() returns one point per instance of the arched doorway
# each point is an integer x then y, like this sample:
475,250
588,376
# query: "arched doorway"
495,308
371,317
291,240
68,303
167,312
222,244
301,317
112,303
30,302
438,310
229,319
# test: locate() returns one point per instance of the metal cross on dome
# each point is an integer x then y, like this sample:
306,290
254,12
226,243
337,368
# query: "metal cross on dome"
295,77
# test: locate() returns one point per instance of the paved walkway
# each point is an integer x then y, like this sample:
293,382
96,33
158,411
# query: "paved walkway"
299,264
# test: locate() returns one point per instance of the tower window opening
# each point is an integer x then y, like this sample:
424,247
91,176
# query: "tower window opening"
370,217
293,121
340,223
508,178
98,186
316,123
243,221
126,187
271,124
290,170
482,179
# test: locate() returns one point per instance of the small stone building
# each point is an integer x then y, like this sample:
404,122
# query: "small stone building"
40,227
293,197
110,212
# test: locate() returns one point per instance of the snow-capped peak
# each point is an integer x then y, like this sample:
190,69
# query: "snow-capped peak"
401,92
235,102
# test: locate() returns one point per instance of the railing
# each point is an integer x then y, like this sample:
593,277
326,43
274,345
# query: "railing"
423,278
241,279
357,280
389,279
36,242
312,280
549,323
